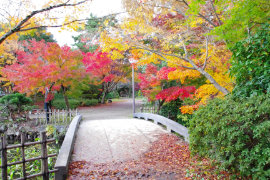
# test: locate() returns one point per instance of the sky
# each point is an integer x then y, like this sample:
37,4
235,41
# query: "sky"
99,8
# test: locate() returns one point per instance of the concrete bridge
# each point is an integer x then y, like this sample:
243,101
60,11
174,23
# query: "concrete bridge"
111,134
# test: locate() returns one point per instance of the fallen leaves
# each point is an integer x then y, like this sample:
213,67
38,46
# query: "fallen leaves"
168,158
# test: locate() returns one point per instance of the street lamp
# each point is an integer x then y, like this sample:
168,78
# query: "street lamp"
132,61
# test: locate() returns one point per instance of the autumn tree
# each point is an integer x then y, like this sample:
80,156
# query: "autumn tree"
107,72
164,30
44,65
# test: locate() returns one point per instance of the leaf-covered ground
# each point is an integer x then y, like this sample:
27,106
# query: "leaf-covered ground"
168,158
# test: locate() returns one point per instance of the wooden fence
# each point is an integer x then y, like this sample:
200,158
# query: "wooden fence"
55,116
44,156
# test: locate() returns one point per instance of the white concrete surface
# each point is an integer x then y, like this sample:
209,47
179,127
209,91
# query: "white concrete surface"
101,141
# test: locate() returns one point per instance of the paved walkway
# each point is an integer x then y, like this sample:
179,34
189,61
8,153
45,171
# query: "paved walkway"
106,134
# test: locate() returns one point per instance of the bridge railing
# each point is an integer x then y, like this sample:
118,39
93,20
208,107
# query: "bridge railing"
171,125
66,149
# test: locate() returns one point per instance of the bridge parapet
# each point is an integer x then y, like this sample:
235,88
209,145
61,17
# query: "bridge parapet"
65,152
171,125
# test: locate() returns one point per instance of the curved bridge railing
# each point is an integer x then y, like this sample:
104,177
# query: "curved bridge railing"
171,125
66,149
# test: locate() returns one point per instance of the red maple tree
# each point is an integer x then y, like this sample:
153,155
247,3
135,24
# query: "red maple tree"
43,65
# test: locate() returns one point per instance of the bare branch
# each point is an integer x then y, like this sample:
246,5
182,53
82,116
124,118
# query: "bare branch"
177,10
215,12
206,56
17,28
161,54
199,14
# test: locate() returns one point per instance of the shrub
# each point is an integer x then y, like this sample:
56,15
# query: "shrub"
251,64
60,103
235,133
112,95
16,105
89,102
171,111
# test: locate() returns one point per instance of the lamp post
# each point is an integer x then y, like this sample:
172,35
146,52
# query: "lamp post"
132,61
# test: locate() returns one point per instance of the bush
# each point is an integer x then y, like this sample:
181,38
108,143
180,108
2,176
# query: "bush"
251,64
60,103
16,105
235,133
89,102
171,111
112,95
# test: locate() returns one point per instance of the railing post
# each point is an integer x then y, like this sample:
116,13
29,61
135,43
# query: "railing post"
63,115
23,154
44,156
4,156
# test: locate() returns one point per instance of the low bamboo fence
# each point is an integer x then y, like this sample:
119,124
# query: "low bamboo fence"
43,157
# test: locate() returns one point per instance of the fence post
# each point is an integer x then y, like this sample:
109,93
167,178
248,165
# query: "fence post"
54,118
23,154
38,117
44,156
58,116
4,156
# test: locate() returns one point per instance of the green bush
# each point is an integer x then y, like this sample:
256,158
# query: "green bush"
60,103
89,102
16,105
251,64
171,110
235,133
112,95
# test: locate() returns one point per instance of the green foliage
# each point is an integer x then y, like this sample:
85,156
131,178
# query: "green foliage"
33,167
38,35
15,105
112,95
235,133
251,64
89,102
60,103
241,18
91,92
93,27
171,111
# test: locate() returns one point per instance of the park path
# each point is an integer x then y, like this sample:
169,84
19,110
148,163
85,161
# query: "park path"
111,145
108,133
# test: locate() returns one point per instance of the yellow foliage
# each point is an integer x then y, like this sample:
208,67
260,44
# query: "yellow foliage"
183,74
186,110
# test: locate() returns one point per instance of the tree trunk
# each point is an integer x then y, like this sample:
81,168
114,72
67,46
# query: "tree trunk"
66,101
65,97
160,103
103,96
